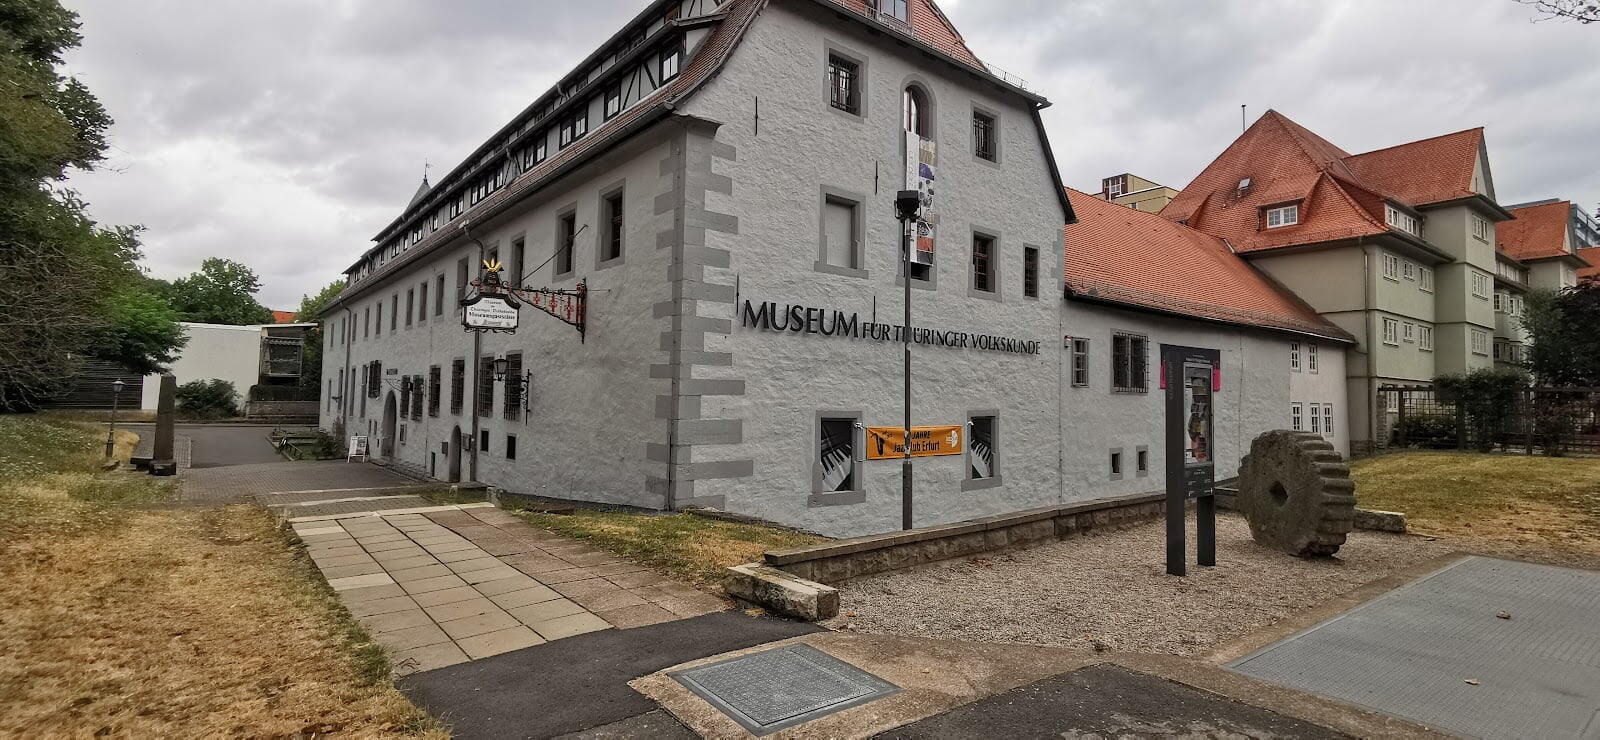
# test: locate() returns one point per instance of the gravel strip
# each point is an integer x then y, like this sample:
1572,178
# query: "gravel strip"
1110,591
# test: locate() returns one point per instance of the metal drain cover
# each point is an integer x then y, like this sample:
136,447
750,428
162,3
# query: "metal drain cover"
773,689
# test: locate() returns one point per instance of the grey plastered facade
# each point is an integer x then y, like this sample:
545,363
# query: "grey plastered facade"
673,400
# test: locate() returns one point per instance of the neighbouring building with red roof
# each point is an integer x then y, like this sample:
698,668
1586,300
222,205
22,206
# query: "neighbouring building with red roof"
1590,257
1395,246
1537,251
719,178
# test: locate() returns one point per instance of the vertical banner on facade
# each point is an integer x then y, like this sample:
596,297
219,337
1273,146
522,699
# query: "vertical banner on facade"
884,443
922,162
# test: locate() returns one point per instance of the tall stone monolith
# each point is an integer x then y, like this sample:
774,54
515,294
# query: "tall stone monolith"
163,462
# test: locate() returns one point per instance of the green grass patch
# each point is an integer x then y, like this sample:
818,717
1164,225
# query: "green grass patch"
51,481
691,548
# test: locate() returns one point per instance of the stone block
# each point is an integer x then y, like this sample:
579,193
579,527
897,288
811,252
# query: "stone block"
782,592
1380,521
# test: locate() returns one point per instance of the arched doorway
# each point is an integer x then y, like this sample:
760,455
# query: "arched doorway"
453,456
390,423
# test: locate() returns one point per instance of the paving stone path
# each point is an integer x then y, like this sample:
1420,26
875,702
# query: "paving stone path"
441,587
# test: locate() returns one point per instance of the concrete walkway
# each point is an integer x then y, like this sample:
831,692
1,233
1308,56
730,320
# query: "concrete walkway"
451,584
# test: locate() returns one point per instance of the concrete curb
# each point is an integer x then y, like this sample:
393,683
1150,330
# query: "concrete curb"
782,592
387,512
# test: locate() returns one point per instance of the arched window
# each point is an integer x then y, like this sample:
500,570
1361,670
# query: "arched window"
916,115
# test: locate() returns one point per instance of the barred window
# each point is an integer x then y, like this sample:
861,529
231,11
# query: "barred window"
433,390
1128,363
416,397
983,263
514,390
458,385
983,137
374,379
486,386
1030,272
844,84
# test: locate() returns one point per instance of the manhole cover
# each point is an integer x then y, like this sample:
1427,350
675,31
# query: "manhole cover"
773,689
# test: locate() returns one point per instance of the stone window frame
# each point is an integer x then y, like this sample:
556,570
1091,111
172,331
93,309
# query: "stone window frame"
1038,263
830,49
858,230
979,109
568,211
1144,380
411,305
856,495
993,235
1072,367
1141,461
968,483
618,189
422,302
1116,464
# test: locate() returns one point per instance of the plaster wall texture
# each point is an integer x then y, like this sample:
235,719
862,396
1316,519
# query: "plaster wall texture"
592,403
1307,274
1551,275
214,351
1400,295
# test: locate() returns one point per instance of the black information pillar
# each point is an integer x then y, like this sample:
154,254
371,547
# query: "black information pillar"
1190,378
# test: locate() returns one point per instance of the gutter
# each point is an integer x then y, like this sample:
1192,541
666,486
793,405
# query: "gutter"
1072,295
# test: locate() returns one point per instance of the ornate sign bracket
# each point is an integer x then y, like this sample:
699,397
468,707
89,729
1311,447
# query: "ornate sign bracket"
570,307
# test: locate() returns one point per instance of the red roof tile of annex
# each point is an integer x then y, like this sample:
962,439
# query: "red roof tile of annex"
1539,232
1590,255
1340,195
1117,254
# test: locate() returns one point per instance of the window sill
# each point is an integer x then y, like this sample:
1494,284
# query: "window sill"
603,264
995,163
900,281
840,270
836,498
988,295
857,117
979,484
1131,391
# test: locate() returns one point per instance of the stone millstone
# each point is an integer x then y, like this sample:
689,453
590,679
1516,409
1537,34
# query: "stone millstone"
1296,492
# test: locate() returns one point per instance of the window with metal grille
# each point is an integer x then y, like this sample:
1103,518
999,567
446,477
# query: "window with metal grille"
1128,363
983,136
281,356
1030,272
374,378
416,397
1080,362
514,390
844,84
485,386
405,397
983,263
433,390
458,385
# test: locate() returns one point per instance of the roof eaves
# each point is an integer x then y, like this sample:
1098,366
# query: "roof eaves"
1130,304
1478,199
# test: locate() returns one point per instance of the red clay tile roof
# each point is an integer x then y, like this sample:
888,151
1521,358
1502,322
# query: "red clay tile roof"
1340,195
1590,255
283,317
1115,253
1540,231
928,24
1422,172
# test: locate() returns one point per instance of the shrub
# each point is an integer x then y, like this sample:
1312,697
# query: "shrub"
208,399
1427,431
1486,399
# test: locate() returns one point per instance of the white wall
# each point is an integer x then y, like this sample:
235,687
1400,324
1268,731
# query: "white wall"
231,353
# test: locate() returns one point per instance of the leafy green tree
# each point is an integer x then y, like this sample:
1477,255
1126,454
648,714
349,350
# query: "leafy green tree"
222,291
145,335
62,277
1562,327
311,310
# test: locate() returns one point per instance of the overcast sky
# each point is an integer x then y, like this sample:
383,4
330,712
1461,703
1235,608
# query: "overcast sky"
284,134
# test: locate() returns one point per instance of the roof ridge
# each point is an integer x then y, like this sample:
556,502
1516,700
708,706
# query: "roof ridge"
1417,141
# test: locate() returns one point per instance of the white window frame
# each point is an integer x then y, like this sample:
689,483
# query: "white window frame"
1499,302
1408,332
1391,267
1294,357
1425,338
1408,269
1480,284
1281,216
1327,420
1311,358
1391,331
1080,361
1425,279
1403,221
1297,416
1480,228
1314,411
1480,342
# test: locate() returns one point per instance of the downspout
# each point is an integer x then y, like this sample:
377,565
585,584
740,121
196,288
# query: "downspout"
344,385
1370,293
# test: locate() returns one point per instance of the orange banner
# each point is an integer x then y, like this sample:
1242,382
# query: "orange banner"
884,443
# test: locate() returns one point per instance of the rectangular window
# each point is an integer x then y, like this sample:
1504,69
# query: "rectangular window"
1316,418
1327,420
1425,279
1408,270
1391,331
1283,216
1480,342
1030,272
566,235
836,456
394,312
1408,332
486,386
1116,465
458,385
461,280
1128,361
1425,338
613,214
574,127
416,397
840,222
1403,221
671,61
1297,417
983,137
511,446
1480,228
541,146
434,387
1480,284
513,403
981,447
366,321
895,9
1294,357
844,84
374,379
613,104
983,263
1142,461
411,304
1311,358
1080,362
1499,302
422,302
1391,267
483,441
519,253
377,330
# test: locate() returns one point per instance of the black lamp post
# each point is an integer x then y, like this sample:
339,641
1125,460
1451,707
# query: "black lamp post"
111,431
907,203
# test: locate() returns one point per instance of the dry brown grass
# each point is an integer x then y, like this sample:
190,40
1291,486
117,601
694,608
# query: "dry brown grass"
692,548
1537,508
147,622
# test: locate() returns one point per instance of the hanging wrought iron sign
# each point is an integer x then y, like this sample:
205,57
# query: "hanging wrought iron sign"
495,306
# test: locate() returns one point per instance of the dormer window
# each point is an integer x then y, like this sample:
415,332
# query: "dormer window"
1244,185
1403,221
1288,215
895,9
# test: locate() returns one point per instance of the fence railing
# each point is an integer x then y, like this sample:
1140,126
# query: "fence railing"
1534,421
